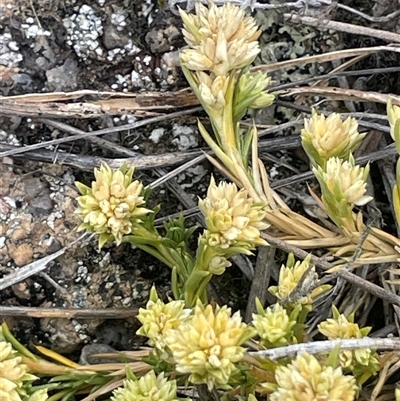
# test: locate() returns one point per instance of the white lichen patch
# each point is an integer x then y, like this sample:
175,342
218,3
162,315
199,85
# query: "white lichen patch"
126,47
193,175
185,137
9,51
33,30
9,139
84,30
118,19
156,134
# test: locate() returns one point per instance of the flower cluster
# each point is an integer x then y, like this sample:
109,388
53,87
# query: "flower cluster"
13,373
361,361
148,388
289,278
208,345
221,39
323,138
305,379
274,326
251,92
232,217
343,185
158,318
112,205
345,181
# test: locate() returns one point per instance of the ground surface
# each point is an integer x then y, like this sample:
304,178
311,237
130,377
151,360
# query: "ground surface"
124,47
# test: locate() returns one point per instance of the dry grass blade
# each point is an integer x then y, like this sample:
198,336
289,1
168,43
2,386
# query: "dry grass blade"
343,27
322,58
342,94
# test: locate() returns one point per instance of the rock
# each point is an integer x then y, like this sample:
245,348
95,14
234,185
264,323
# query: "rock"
88,354
112,38
63,78
157,41
19,234
22,254
37,194
21,290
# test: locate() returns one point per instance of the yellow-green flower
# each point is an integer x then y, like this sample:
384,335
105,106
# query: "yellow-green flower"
274,326
13,373
218,265
208,345
148,388
212,90
305,379
232,217
340,326
323,138
221,38
158,318
345,181
393,113
251,91
112,205
289,277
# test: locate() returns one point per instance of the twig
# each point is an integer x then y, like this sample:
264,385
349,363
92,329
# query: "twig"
385,18
317,347
67,313
259,284
360,116
88,163
98,132
326,24
328,76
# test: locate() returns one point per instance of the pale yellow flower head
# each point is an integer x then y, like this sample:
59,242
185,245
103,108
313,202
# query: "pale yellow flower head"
208,345
148,388
326,137
252,89
393,113
221,38
274,326
159,317
305,379
112,205
232,217
12,373
344,181
212,91
218,265
341,326
289,277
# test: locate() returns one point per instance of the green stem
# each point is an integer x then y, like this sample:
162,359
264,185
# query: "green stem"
16,344
196,283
